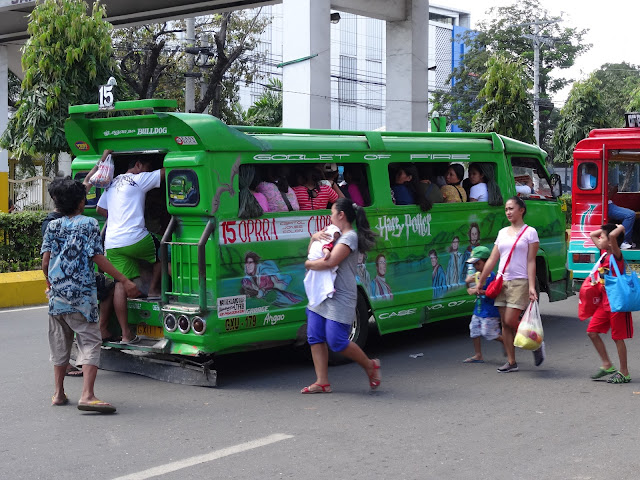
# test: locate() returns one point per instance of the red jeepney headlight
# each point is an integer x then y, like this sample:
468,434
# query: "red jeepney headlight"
584,258
198,325
183,324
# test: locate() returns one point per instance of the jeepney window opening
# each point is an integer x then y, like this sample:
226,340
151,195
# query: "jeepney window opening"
156,214
531,179
276,187
588,177
625,174
93,195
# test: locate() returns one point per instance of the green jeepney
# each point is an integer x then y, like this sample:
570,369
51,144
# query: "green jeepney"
231,284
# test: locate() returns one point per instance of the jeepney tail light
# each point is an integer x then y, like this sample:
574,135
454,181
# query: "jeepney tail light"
584,258
199,325
183,324
170,323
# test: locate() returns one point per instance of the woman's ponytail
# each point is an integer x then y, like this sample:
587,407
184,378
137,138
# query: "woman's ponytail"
366,236
353,212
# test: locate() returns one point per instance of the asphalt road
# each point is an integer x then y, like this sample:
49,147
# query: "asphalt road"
433,416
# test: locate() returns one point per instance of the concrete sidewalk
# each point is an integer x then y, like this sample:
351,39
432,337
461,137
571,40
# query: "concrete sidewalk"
22,288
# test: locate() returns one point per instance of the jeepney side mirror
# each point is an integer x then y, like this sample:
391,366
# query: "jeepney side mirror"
556,185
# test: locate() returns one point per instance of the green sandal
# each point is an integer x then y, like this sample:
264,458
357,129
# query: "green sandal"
602,372
619,378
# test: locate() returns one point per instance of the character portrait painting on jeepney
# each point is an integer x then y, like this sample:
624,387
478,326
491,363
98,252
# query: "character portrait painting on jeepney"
263,280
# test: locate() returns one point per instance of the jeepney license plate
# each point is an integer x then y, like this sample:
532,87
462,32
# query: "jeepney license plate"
150,331
635,267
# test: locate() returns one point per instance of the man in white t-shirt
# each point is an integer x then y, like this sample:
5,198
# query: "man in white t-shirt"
127,240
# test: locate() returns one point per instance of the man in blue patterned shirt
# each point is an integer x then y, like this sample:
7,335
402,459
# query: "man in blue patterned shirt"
70,246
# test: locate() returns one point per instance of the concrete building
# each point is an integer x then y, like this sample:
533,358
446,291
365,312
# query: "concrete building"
358,59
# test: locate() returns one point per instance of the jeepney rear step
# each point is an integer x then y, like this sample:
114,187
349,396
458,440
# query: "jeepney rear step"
159,367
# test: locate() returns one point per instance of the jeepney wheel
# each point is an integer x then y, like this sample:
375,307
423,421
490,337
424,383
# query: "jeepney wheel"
359,331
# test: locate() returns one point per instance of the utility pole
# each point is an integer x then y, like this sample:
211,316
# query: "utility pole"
190,83
537,40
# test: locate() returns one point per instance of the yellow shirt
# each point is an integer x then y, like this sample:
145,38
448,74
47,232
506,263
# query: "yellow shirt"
453,194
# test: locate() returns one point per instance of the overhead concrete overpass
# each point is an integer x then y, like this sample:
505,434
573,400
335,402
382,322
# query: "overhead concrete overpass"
307,85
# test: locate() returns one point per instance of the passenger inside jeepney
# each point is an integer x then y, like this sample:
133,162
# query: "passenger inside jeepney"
524,184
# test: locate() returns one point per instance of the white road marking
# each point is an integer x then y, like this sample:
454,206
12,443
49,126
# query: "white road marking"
23,309
208,457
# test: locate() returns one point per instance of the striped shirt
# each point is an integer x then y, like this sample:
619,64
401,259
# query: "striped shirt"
323,196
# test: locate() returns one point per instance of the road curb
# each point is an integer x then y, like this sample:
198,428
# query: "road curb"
22,288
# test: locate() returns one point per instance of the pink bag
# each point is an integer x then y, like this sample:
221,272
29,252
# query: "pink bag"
104,175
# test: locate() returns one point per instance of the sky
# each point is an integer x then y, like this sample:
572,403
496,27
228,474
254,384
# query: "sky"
612,25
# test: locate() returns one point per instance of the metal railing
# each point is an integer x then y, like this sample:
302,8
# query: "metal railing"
30,193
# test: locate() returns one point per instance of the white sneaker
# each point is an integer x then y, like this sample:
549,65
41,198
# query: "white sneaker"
625,246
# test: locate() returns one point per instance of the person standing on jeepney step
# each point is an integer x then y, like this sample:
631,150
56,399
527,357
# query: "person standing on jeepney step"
626,216
127,240
329,323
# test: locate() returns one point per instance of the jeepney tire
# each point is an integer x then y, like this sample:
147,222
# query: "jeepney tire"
359,331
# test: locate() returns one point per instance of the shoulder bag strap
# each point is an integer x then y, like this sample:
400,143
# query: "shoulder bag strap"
457,187
512,249
596,266
286,200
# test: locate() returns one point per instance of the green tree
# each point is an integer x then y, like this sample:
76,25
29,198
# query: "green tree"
153,63
68,55
585,110
149,59
618,82
505,33
506,106
14,89
267,110
235,34
634,101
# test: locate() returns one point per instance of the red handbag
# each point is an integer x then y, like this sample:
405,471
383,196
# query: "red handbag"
590,295
495,287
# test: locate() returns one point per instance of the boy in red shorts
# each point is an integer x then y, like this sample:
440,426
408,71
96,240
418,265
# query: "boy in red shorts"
609,238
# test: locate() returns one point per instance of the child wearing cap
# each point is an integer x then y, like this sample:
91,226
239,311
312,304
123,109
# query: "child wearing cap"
485,321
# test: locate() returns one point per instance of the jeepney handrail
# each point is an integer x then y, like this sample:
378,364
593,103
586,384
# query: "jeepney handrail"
164,256
155,104
360,133
202,263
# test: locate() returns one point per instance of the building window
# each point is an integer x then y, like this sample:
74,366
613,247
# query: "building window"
374,39
348,34
440,18
347,88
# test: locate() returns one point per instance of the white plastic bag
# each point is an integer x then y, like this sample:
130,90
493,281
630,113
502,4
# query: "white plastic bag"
104,175
530,333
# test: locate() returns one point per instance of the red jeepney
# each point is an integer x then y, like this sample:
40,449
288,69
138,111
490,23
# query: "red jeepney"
606,158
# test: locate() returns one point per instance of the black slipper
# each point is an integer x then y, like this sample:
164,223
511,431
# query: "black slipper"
73,372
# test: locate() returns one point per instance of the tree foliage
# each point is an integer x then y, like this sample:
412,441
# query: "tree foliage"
67,56
267,110
634,101
235,34
585,110
149,59
153,63
506,108
618,81
505,33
